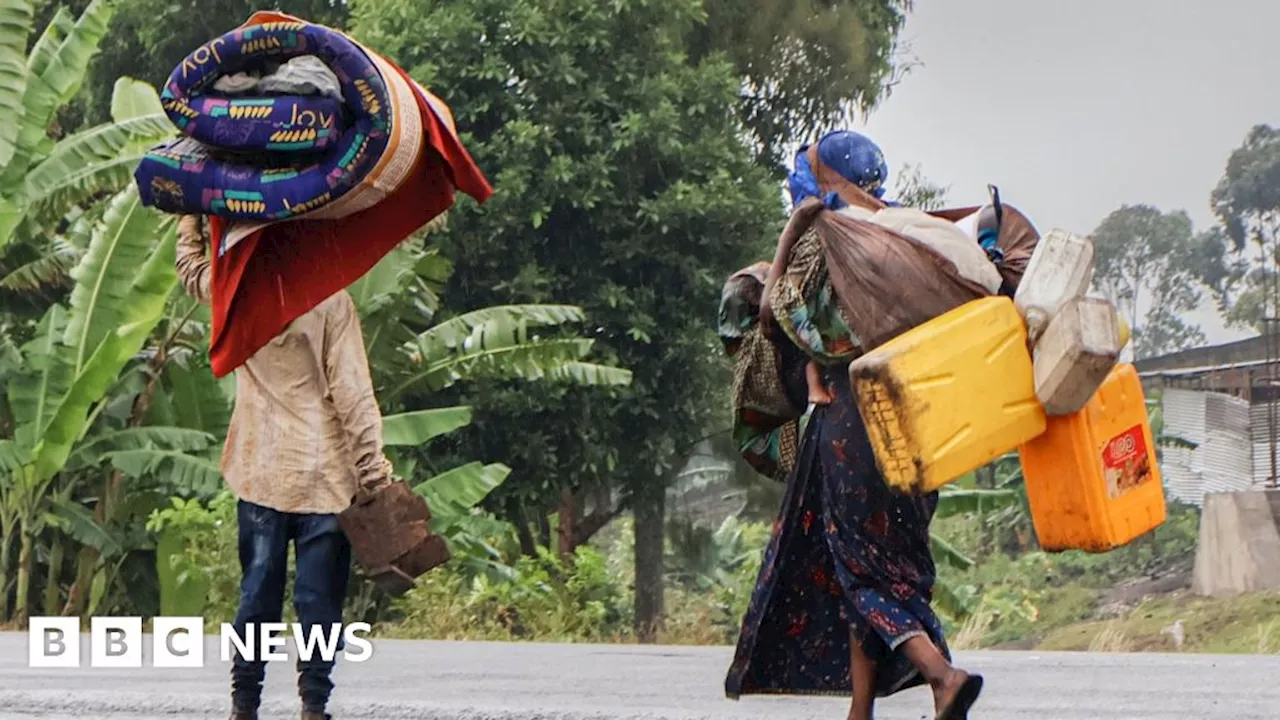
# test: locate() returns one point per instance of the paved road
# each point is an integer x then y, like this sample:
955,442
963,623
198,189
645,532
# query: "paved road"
476,681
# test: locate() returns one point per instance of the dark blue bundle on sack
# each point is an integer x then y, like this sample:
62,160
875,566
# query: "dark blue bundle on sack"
267,156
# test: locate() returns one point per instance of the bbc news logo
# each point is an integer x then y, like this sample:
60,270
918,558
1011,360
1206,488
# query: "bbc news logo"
178,642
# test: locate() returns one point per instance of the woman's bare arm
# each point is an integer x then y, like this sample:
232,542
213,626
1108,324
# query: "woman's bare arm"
799,223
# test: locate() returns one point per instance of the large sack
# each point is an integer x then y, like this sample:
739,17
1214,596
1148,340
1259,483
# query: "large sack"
887,283
1017,241
944,237
851,285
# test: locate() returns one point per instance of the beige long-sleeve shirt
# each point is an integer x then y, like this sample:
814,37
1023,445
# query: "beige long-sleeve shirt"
306,429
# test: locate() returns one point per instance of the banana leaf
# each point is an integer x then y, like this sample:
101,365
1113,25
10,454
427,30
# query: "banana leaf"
418,428
15,27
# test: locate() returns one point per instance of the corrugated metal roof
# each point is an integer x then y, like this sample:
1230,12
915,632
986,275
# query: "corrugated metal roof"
1181,482
1262,462
1220,426
1226,412
1184,414
1260,426
1227,461
1201,369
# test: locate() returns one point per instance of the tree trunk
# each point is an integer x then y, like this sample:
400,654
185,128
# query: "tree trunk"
87,559
520,518
528,543
649,508
567,523
25,558
6,568
78,593
53,580
595,522
544,530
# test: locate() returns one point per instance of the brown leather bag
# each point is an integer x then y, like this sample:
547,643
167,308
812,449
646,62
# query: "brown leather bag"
390,536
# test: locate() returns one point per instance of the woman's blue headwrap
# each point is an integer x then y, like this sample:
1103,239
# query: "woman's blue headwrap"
853,155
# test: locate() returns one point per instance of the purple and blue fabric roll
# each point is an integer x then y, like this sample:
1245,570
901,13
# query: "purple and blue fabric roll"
269,157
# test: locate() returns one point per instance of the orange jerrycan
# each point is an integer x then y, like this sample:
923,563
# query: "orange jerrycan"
948,396
1092,478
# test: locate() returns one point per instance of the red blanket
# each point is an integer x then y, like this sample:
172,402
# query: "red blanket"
272,277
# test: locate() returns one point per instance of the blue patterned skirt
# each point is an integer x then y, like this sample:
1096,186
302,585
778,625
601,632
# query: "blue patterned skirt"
848,555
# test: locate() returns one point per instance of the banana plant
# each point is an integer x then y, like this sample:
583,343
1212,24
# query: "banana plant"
410,353
451,494
46,184
415,354
77,358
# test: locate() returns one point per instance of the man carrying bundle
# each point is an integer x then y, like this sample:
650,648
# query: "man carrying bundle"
306,432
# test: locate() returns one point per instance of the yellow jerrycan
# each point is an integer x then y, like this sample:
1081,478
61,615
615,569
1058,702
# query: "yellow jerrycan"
949,396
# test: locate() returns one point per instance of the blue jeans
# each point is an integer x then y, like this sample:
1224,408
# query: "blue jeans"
319,588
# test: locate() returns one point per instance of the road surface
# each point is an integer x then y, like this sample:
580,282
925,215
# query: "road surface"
476,681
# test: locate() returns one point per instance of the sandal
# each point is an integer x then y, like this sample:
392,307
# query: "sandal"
965,697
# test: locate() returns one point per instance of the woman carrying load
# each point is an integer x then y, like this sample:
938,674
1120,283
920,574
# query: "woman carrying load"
842,602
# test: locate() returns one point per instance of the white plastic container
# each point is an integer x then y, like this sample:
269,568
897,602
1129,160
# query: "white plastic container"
1076,353
1060,270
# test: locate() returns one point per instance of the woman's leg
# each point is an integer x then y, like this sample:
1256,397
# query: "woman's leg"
818,392
954,690
862,672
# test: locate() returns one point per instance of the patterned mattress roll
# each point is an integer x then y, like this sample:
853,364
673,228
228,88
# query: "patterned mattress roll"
269,158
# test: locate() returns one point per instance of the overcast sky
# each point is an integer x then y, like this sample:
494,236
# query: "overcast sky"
1075,108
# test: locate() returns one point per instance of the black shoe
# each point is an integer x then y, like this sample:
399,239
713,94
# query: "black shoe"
965,697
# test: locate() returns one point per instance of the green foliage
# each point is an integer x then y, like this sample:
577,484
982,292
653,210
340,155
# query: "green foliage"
701,558
15,19
78,353
196,558
67,225
496,342
418,428
42,180
547,599
1150,264
110,323
50,184
1029,594
183,474
1247,202
804,64
622,183
150,37
1248,195
913,189
625,183
453,493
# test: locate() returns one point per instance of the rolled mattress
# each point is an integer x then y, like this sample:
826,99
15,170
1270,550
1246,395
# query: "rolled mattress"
277,157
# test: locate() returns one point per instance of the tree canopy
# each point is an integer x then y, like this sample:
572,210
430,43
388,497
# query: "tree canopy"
1148,263
622,181
804,64
150,37
1247,202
